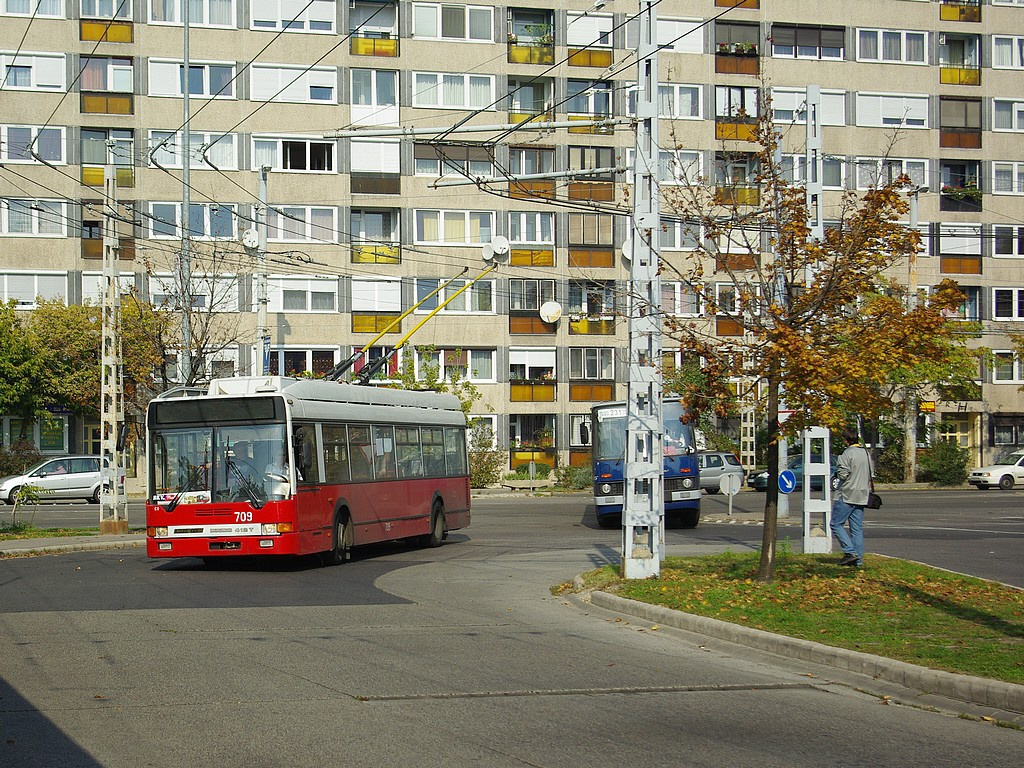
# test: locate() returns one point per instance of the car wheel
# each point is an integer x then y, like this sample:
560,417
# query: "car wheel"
1005,482
711,490
11,496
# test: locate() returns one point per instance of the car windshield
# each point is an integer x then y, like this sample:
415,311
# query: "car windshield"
730,459
1010,458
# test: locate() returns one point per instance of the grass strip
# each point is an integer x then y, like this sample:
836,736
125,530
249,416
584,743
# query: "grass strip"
890,608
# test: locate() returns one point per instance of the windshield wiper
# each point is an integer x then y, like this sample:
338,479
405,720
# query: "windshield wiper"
192,474
247,484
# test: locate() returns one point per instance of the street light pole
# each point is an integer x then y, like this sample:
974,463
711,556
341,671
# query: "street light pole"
910,404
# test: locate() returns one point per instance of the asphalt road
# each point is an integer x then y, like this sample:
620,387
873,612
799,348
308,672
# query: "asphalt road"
458,656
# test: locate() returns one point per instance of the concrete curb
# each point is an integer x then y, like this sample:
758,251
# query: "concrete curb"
77,546
975,690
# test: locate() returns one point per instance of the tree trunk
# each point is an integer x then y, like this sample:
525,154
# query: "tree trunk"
909,437
769,531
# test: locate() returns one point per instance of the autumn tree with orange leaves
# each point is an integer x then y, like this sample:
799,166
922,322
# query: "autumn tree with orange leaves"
820,325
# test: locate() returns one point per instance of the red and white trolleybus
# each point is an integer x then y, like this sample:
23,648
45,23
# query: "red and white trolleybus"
278,466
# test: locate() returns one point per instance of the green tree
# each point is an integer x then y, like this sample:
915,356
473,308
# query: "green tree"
68,338
22,370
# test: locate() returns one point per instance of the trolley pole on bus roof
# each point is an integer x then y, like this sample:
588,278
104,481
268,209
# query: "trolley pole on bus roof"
643,511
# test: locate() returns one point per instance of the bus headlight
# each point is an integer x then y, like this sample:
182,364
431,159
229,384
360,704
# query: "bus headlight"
687,482
156,532
271,529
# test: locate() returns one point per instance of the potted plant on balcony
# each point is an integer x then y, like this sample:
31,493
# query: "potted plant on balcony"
969,192
746,49
724,48
513,38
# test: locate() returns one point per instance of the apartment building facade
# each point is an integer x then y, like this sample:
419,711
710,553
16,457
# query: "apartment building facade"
361,227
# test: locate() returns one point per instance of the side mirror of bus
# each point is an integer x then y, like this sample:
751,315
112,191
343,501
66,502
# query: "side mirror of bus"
584,434
122,437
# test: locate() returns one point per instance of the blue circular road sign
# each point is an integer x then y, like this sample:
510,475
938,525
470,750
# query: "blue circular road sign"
787,481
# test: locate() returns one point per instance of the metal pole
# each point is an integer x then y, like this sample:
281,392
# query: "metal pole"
643,512
112,518
185,263
910,405
262,331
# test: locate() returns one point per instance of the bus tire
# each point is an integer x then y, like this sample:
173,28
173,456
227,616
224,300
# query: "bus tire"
686,519
437,530
341,540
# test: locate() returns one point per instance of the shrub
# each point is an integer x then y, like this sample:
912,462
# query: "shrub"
574,478
18,458
485,462
522,472
945,463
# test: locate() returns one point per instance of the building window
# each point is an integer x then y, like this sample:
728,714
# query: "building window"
376,295
374,88
794,170
680,299
1009,241
1007,368
33,217
452,160
531,363
591,298
462,23
23,288
477,299
589,97
590,363
874,172
591,229
476,365
298,155
454,227
890,110
302,224
891,46
679,235
201,13
316,16
1008,178
1007,115
528,160
807,42
213,80
302,294
453,91
209,292
102,147
107,74
104,9
531,228
293,84
1007,52
16,140
676,101
298,362
208,221
217,151
530,294
674,35
789,105
32,72
40,9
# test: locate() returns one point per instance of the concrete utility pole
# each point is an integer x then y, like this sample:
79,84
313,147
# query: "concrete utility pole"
643,513
910,405
262,331
185,219
113,511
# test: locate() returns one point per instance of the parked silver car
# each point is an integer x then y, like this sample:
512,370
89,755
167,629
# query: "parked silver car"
64,477
714,464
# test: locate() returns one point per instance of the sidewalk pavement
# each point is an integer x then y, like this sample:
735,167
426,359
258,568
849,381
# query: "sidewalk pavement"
1006,697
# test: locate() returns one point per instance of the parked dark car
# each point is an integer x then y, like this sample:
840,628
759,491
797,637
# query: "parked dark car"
759,480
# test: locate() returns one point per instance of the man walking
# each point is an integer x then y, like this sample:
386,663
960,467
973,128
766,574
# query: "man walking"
854,472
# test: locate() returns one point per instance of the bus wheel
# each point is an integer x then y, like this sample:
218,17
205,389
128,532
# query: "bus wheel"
341,540
436,536
688,519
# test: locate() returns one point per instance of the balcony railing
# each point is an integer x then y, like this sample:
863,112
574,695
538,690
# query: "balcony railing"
93,30
960,10
960,200
959,75
107,103
601,191
737,61
532,257
92,176
532,117
541,188
375,184
374,322
735,262
960,138
960,265
736,128
532,391
373,44
92,248
601,130
376,254
590,57
585,257
592,326
726,326
738,3
737,195
529,325
594,391
531,53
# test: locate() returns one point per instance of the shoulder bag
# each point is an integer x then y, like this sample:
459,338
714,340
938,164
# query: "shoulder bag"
874,500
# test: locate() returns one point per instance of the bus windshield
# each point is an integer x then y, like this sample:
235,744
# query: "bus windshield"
206,463
609,442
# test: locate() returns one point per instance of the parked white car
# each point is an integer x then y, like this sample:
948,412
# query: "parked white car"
64,477
1005,473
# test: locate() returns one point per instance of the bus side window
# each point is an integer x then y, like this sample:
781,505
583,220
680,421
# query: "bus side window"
360,451
305,447
335,453
433,451
384,452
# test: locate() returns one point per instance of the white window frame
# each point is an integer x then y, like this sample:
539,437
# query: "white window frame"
678,35
38,290
671,92
731,99
119,10
468,302
443,216
375,90
487,421
193,21
588,30
592,96
421,21
819,54
799,166
1015,233
177,223
42,213
902,162
601,357
54,64
375,156
1016,51
1016,169
158,82
277,165
1016,365
376,295
115,69
604,290
277,285
684,300
169,155
319,18
445,166
293,84
93,288
675,235
427,94
531,358
469,372
209,293
35,9
34,131
518,291
1016,115
520,222
880,44
283,220
894,110
794,100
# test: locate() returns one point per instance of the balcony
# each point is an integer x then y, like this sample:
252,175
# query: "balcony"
375,184
592,326
600,130
92,248
736,128
600,392
92,176
601,191
960,138
735,262
960,265
529,325
525,454
738,3
530,117
531,391
535,52
375,322
107,103
373,44
966,199
541,188
92,30
590,57
532,257
583,257
737,59
959,75
960,10
376,254
726,326
737,195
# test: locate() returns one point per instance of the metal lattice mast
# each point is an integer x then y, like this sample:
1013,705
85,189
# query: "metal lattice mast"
643,520
113,513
